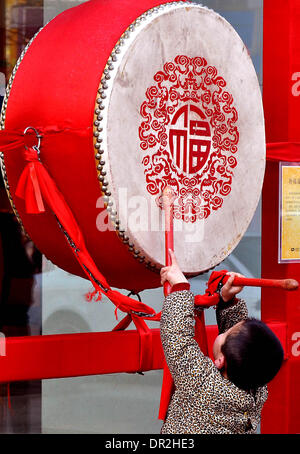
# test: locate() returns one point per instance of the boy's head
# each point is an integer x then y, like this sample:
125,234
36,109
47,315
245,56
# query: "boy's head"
249,354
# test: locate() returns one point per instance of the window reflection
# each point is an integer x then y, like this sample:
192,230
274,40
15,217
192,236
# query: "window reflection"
20,261
21,19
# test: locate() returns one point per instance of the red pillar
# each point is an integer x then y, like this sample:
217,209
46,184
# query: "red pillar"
281,91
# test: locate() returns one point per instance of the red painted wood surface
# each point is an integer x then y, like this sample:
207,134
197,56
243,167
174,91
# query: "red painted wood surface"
281,62
72,355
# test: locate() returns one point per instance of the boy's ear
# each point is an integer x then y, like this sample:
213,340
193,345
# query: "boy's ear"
220,362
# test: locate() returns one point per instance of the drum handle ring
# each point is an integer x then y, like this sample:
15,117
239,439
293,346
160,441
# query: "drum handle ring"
136,294
38,136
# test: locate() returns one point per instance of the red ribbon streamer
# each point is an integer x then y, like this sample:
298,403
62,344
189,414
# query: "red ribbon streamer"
37,188
28,186
283,151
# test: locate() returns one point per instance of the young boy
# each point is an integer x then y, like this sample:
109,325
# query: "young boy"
224,396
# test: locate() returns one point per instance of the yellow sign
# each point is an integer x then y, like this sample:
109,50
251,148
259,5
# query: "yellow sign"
290,213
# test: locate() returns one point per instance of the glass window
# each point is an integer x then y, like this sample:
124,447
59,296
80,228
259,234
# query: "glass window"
20,261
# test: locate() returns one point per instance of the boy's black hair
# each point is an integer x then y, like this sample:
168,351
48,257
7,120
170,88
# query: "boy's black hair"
253,355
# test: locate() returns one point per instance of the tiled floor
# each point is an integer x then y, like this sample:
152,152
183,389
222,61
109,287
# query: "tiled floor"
102,404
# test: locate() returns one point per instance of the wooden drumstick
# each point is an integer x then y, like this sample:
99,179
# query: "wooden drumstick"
285,284
169,235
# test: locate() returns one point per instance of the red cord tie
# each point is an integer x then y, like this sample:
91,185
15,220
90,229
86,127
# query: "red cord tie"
93,296
28,187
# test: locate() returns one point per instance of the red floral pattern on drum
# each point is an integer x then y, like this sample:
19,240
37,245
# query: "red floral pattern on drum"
189,137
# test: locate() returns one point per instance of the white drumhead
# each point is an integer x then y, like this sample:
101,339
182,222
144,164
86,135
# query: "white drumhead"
180,105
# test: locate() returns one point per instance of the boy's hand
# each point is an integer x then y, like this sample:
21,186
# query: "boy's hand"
228,290
173,273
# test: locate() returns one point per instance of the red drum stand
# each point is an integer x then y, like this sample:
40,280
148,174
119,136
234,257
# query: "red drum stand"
281,63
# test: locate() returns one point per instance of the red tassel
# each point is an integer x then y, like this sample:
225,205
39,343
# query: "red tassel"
28,187
90,295
99,296
95,295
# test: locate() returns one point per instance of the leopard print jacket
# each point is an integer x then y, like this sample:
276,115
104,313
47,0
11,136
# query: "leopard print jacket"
204,402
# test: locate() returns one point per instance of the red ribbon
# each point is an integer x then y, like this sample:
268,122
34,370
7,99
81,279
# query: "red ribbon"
37,188
283,151
36,185
28,187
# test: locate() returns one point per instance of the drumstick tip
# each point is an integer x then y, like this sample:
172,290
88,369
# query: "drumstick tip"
291,284
168,191
167,197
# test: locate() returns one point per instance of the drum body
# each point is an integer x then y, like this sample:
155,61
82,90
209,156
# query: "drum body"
131,97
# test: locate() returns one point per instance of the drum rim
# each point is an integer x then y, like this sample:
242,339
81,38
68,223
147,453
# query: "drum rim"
101,164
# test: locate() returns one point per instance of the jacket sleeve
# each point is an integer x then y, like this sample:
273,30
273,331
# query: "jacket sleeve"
188,365
230,314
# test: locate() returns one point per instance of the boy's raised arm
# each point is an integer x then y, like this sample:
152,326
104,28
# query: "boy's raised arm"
186,362
230,310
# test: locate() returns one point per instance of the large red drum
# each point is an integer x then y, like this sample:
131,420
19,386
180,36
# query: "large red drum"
130,97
